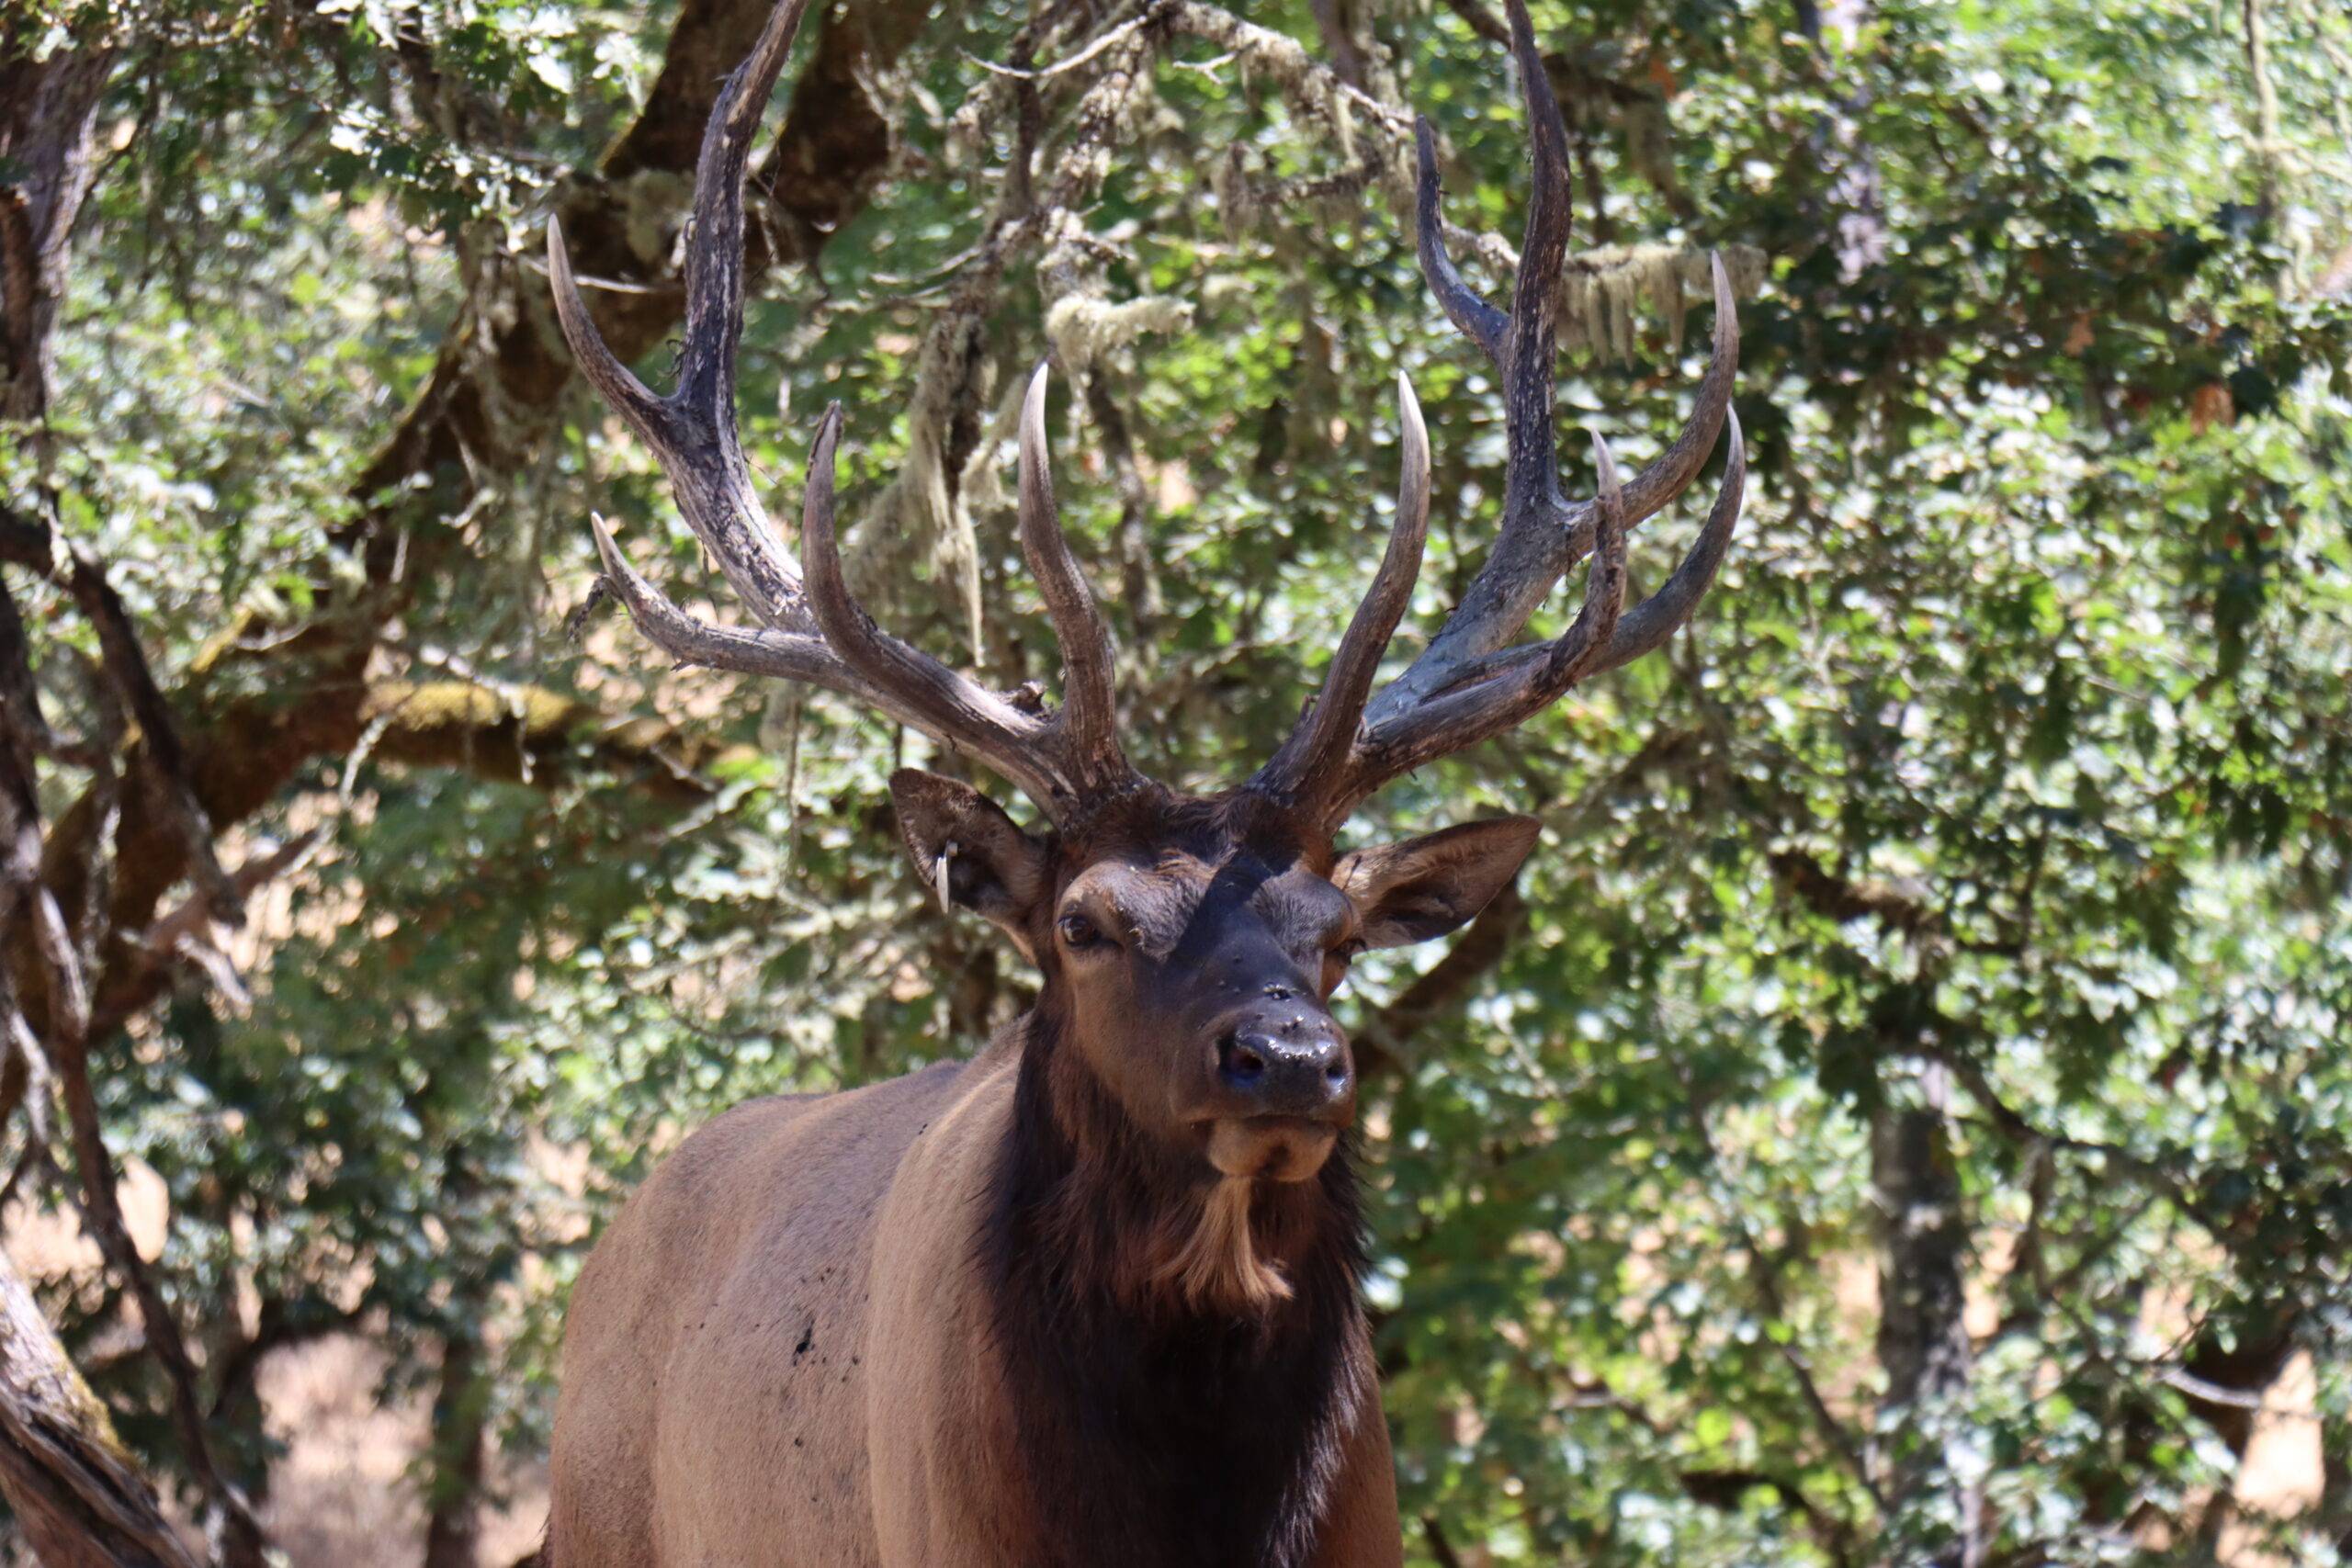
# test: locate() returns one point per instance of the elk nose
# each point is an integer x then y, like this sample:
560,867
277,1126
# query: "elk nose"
1286,1065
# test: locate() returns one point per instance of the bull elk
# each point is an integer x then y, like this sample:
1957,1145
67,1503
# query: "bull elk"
1091,1297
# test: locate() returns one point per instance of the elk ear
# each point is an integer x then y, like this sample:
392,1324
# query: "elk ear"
968,851
1422,887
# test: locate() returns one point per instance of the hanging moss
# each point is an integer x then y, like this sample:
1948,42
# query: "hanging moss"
1603,291
1082,329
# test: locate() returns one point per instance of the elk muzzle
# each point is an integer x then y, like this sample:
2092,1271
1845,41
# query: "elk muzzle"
1282,1085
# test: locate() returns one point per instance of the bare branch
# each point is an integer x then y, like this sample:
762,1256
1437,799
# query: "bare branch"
171,790
230,1519
182,933
20,707
169,784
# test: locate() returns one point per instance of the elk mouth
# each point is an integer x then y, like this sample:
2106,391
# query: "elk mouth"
1272,1148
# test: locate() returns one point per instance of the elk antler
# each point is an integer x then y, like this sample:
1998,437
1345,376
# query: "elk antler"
1467,684
814,631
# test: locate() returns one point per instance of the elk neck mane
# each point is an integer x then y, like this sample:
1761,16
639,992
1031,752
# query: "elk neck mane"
1165,1415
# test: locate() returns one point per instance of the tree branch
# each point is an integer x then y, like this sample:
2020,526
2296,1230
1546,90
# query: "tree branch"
1901,907
1381,1044
232,1522
1763,1272
832,151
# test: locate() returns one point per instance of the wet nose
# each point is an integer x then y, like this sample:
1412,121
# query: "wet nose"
1285,1062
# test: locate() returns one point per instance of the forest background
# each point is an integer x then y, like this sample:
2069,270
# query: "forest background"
1901,1113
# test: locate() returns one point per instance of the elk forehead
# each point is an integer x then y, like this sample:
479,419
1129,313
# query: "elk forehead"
1179,902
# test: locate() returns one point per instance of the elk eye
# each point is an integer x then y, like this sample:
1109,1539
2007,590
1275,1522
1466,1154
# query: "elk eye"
1078,932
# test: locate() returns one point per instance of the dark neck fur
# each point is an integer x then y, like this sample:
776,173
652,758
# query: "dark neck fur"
1155,1435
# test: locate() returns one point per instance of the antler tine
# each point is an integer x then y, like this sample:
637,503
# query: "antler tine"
692,433
1529,558
1648,624
692,640
1542,534
1088,722
714,327
937,699
1604,591
1524,346
1317,748
1467,683
1500,689
1515,690
1670,472
1530,476
1479,322
716,499
816,632
615,382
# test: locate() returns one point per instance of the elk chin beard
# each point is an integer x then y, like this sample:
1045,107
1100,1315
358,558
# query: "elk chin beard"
1271,1149
1217,1265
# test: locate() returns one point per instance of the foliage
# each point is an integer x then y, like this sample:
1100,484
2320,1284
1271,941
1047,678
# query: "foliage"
2006,778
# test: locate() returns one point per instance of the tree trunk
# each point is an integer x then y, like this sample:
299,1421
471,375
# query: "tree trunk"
1855,196
460,1421
2334,1516
77,1495
1923,1341
48,108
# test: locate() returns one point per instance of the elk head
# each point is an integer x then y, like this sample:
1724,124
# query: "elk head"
1189,944
1189,948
